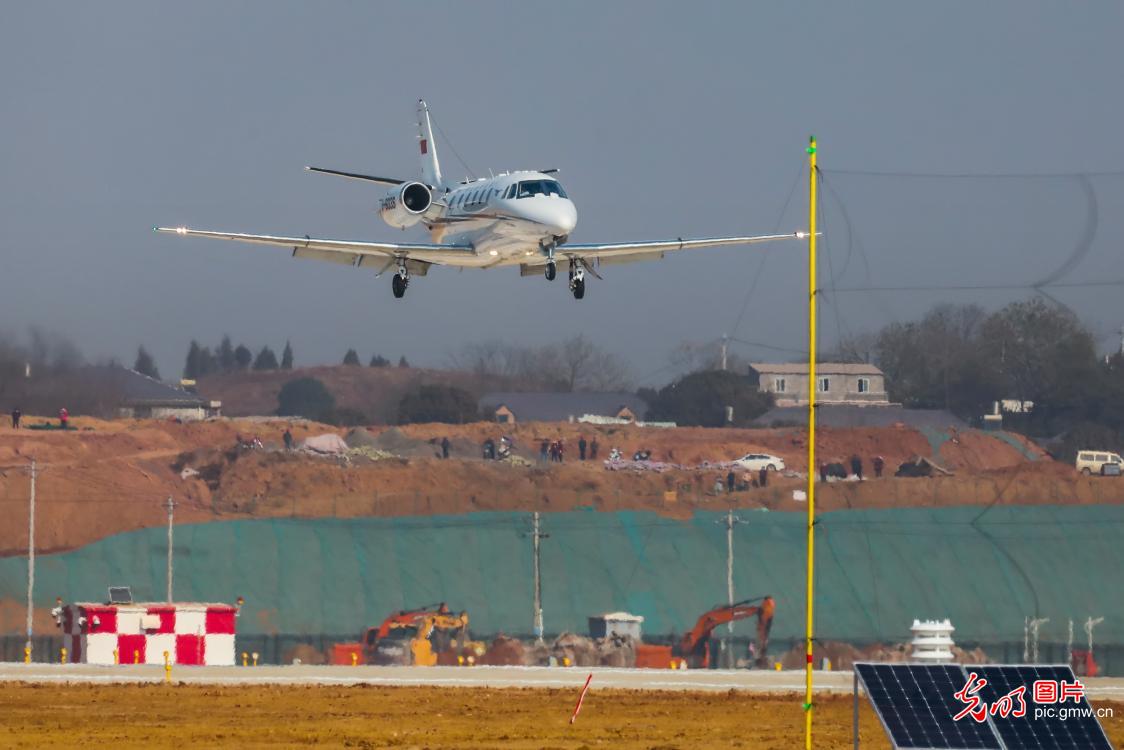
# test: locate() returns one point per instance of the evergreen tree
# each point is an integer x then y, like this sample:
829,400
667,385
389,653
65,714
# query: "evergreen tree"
306,397
287,357
437,403
351,358
227,362
191,368
402,361
243,356
266,359
208,363
377,360
145,365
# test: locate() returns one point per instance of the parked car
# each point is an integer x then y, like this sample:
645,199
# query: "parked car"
759,461
1099,462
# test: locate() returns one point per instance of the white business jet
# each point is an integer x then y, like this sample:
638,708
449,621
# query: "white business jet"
515,218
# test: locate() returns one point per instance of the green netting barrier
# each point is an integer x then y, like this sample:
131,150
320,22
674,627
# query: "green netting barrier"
1015,443
936,439
877,570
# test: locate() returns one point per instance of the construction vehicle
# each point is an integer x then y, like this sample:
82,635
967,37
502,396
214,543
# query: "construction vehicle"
693,649
409,637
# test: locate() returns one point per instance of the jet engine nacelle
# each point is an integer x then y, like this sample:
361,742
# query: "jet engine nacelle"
405,204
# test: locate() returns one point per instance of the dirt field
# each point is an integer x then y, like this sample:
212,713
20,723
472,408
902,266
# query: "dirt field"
157,716
109,477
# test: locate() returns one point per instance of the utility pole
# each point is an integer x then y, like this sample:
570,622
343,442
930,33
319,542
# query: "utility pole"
729,523
1091,623
536,536
31,555
1035,624
726,339
170,505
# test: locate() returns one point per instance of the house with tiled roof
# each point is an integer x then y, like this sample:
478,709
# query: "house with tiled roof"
836,383
513,407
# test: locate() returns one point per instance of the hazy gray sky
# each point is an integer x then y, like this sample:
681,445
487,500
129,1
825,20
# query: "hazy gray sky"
666,119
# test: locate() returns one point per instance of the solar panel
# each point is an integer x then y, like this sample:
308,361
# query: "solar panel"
1048,731
916,703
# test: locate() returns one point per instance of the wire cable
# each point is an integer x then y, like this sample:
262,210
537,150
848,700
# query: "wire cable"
768,250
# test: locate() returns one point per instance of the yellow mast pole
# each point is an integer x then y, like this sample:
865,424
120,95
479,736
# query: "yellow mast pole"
811,441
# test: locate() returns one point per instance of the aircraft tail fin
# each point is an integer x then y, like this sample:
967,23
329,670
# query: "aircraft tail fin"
430,167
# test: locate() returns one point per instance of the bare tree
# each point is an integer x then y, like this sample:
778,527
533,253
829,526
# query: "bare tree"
574,364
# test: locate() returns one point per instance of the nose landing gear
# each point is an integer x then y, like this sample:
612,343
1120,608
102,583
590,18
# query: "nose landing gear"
551,271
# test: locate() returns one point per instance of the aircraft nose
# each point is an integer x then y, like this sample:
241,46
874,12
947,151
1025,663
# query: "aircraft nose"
564,218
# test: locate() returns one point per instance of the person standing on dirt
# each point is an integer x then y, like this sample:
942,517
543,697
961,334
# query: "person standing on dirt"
593,446
879,463
16,419
561,450
857,466
581,448
287,437
544,450
763,477
730,481
445,447
64,418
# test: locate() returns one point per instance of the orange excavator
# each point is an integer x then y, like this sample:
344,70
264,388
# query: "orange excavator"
411,636
414,636
693,649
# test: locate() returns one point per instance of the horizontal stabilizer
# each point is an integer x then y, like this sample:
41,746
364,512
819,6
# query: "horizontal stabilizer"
354,176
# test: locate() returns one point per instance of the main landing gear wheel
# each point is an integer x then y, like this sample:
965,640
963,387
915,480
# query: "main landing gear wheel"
398,284
551,271
577,286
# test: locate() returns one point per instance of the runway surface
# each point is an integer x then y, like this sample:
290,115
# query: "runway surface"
543,677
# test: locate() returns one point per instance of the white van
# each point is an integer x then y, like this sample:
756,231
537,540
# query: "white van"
1099,462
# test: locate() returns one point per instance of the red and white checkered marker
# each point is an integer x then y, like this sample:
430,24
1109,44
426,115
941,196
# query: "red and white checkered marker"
141,633
581,698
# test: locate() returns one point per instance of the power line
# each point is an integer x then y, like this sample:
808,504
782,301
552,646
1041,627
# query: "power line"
975,175
980,287
768,250
453,148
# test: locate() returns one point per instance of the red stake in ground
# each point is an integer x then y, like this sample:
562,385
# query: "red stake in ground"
581,697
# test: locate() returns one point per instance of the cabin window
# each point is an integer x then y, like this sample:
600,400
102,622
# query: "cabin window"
779,385
864,385
510,192
824,385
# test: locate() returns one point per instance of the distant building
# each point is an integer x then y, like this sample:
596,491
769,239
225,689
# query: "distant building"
508,408
857,384
138,396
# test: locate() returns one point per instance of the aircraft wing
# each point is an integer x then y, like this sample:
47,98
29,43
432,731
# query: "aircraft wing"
379,255
627,252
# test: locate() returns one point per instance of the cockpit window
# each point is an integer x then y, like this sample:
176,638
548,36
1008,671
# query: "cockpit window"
529,188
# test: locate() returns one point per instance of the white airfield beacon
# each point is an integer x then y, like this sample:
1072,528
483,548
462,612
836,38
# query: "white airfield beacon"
515,218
